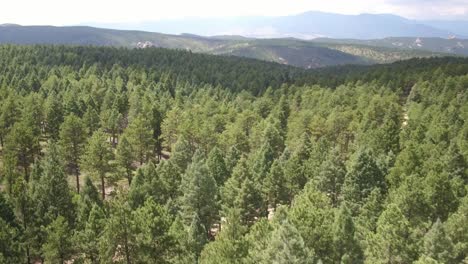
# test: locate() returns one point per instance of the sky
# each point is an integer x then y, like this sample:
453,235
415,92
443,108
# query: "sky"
73,12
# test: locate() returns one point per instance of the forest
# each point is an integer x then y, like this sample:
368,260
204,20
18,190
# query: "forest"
113,155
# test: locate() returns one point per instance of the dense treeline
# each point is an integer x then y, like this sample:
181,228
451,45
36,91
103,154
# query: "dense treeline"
159,156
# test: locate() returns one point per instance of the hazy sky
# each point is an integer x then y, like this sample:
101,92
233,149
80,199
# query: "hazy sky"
68,12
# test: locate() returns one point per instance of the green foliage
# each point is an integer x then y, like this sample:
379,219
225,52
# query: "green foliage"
390,243
229,160
346,246
58,245
72,140
200,193
230,245
286,246
363,177
96,157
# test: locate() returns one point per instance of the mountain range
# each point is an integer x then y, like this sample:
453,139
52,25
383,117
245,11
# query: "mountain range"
302,43
306,25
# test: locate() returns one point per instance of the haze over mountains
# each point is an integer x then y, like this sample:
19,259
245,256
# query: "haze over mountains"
306,25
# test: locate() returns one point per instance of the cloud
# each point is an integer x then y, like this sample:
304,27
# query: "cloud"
66,12
430,9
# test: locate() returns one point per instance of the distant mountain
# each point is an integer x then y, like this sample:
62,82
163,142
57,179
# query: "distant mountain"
459,27
301,53
307,25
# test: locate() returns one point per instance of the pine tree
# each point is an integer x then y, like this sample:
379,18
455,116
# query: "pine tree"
89,197
346,246
87,239
295,168
390,244
286,246
240,192
96,157
8,116
10,248
23,146
72,140
331,177
363,177
274,185
125,157
153,242
118,238
91,120
217,166
140,137
111,121
229,246
52,195
437,245
171,177
58,246
312,214
196,237
53,115
457,230
199,193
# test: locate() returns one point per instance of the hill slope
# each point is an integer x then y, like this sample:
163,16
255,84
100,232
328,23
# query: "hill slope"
438,45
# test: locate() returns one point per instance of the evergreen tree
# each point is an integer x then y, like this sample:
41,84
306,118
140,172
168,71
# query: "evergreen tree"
153,242
217,166
437,245
9,114
229,246
111,121
53,115
72,140
275,185
346,246
58,246
89,197
118,238
140,137
22,145
311,213
52,195
196,238
363,177
87,239
91,120
331,177
286,246
457,231
241,193
96,157
125,157
390,244
199,193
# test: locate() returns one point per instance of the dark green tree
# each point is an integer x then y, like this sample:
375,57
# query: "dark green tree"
58,246
200,193
346,247
72,141
331,177
96,157
363,177
125,157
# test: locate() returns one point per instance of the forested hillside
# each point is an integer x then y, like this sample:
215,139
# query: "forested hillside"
113,155
295,52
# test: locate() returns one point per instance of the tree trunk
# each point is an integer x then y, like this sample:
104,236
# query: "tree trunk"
77,174
103,188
